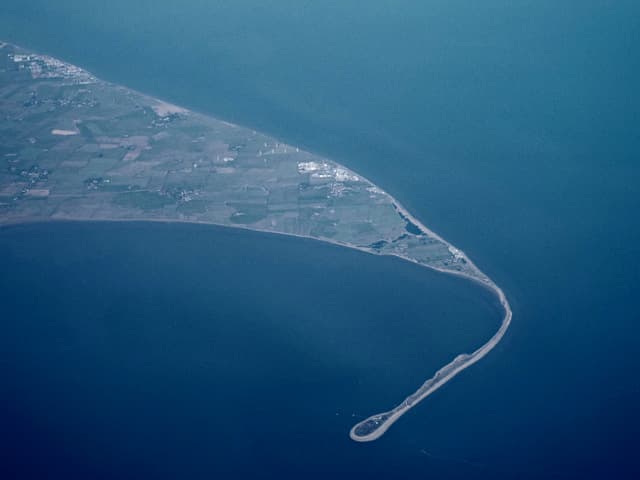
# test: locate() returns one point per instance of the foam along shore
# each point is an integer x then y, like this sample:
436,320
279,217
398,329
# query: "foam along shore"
135,158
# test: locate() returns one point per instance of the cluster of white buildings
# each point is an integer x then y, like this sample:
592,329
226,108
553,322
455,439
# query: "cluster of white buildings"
326,171
43,66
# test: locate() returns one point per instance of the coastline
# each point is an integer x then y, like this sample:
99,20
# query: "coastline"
453,368
376,425
429,386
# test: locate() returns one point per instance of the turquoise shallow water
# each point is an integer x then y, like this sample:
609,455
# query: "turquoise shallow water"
511,128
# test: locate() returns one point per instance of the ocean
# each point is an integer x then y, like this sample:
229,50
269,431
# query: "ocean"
510,128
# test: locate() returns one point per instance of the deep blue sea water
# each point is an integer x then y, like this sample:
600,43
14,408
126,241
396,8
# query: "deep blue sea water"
169,350
510,127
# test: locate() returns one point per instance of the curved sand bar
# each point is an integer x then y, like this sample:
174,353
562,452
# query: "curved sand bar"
131,157
376,425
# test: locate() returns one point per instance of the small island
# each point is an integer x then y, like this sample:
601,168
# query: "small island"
74,147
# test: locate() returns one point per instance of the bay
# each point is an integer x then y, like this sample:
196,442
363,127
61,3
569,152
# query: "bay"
172,350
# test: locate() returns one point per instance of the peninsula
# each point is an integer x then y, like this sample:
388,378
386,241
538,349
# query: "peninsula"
73,147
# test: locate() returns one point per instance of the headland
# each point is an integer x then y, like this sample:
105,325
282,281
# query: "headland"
77,148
